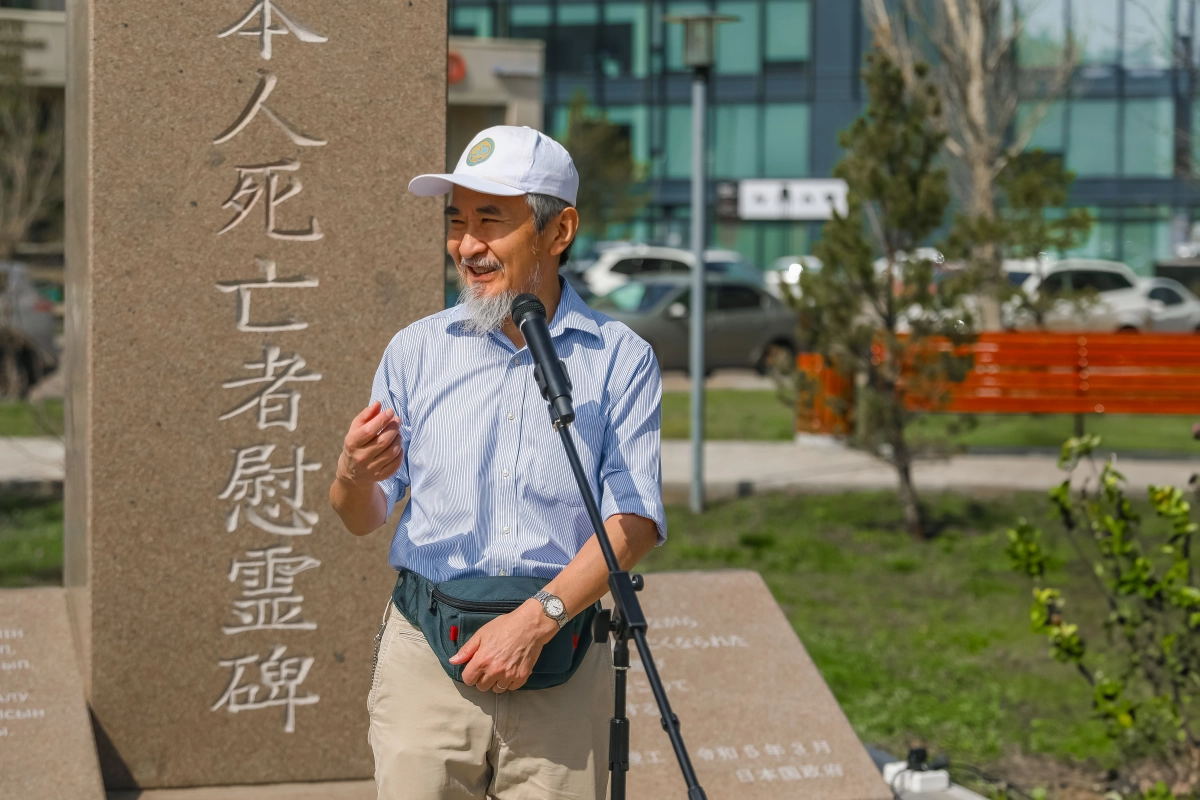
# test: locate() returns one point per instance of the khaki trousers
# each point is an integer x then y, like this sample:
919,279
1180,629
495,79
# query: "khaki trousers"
437,739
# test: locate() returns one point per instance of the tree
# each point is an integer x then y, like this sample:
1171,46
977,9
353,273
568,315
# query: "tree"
608,174
973,43
31,150
31,154
887,322
1025,227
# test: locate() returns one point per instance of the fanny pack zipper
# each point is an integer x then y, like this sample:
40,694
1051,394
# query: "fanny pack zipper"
481,606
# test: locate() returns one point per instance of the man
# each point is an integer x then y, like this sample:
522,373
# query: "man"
456,418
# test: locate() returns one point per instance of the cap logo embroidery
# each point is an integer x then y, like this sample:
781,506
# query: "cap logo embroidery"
481,152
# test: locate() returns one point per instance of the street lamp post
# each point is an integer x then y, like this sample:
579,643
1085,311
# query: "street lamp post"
699,37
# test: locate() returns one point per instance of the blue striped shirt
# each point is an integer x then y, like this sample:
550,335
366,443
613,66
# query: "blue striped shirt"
491,490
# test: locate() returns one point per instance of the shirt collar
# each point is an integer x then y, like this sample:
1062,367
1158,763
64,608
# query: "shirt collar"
572,314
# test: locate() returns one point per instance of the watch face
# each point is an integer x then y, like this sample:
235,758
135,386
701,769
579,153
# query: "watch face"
554,607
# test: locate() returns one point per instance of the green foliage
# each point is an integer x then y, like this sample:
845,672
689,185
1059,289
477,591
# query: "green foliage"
608,174
1145,676
877,322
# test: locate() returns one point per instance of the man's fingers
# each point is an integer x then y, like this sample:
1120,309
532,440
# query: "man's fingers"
386,463
382,440
466,651
366,413
367,431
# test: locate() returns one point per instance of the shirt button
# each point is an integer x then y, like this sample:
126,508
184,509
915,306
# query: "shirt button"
504,473
516,360
506,529
511,415
503,573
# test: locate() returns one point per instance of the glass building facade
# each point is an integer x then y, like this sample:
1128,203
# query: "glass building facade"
786,81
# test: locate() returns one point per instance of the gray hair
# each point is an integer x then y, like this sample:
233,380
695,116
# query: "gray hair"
546,208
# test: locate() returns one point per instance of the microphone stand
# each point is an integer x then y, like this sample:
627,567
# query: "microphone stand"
622,622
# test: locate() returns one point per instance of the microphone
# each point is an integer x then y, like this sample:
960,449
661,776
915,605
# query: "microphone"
529,315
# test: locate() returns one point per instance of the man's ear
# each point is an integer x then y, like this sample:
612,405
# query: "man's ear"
563,229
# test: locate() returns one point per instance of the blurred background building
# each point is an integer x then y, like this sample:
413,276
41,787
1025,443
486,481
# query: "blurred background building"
786,81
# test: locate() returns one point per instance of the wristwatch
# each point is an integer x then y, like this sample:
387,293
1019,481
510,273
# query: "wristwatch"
553,608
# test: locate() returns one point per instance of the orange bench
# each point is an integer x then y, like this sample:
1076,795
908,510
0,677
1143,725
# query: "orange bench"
1045,373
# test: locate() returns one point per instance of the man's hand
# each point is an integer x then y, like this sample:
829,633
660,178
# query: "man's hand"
372,450
501,654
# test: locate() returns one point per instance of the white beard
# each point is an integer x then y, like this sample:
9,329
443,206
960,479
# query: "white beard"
486,312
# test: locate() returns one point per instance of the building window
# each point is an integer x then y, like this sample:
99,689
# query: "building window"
1148,40
738,51
1092,144
1149,142
625,45
577,40
636,122
472,21
789,30
529,22
1094,25
1145,242
679,142
786,140
736,141
1048,135
1102,241
1044,33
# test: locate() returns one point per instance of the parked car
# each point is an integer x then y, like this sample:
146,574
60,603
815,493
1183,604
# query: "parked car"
1095,295
28,329
786,271
745,326
1173,309
616,266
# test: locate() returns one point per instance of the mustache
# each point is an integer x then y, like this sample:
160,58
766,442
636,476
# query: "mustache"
480,262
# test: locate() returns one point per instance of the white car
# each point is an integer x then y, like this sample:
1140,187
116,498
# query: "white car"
1120,302
615,266
1173,308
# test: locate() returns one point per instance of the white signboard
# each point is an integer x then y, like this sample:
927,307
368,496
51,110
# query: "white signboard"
810,198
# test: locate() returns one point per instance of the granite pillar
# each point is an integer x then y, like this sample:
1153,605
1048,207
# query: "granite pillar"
240,248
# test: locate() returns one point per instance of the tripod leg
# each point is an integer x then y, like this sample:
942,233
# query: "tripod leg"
618,727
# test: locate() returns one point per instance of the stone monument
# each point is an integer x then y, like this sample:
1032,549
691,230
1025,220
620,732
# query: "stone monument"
46,747
240,248
759,721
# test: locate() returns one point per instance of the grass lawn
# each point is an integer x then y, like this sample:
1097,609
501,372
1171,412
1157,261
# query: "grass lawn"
730,414
31,419
759,415
31,548
922,642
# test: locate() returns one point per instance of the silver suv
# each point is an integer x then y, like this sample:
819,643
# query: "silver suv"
617,265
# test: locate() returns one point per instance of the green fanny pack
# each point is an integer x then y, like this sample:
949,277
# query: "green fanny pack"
449,614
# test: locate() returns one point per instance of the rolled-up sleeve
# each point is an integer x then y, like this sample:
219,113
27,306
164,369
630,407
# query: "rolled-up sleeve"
630,467
388,388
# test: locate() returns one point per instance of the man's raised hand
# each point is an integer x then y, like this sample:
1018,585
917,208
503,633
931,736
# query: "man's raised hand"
372,449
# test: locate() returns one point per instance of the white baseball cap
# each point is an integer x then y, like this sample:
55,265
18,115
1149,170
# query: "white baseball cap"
508,161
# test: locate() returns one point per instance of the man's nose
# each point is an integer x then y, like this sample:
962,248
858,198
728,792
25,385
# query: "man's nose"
470,247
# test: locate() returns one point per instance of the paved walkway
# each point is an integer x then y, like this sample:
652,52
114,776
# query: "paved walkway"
745,467
30,459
